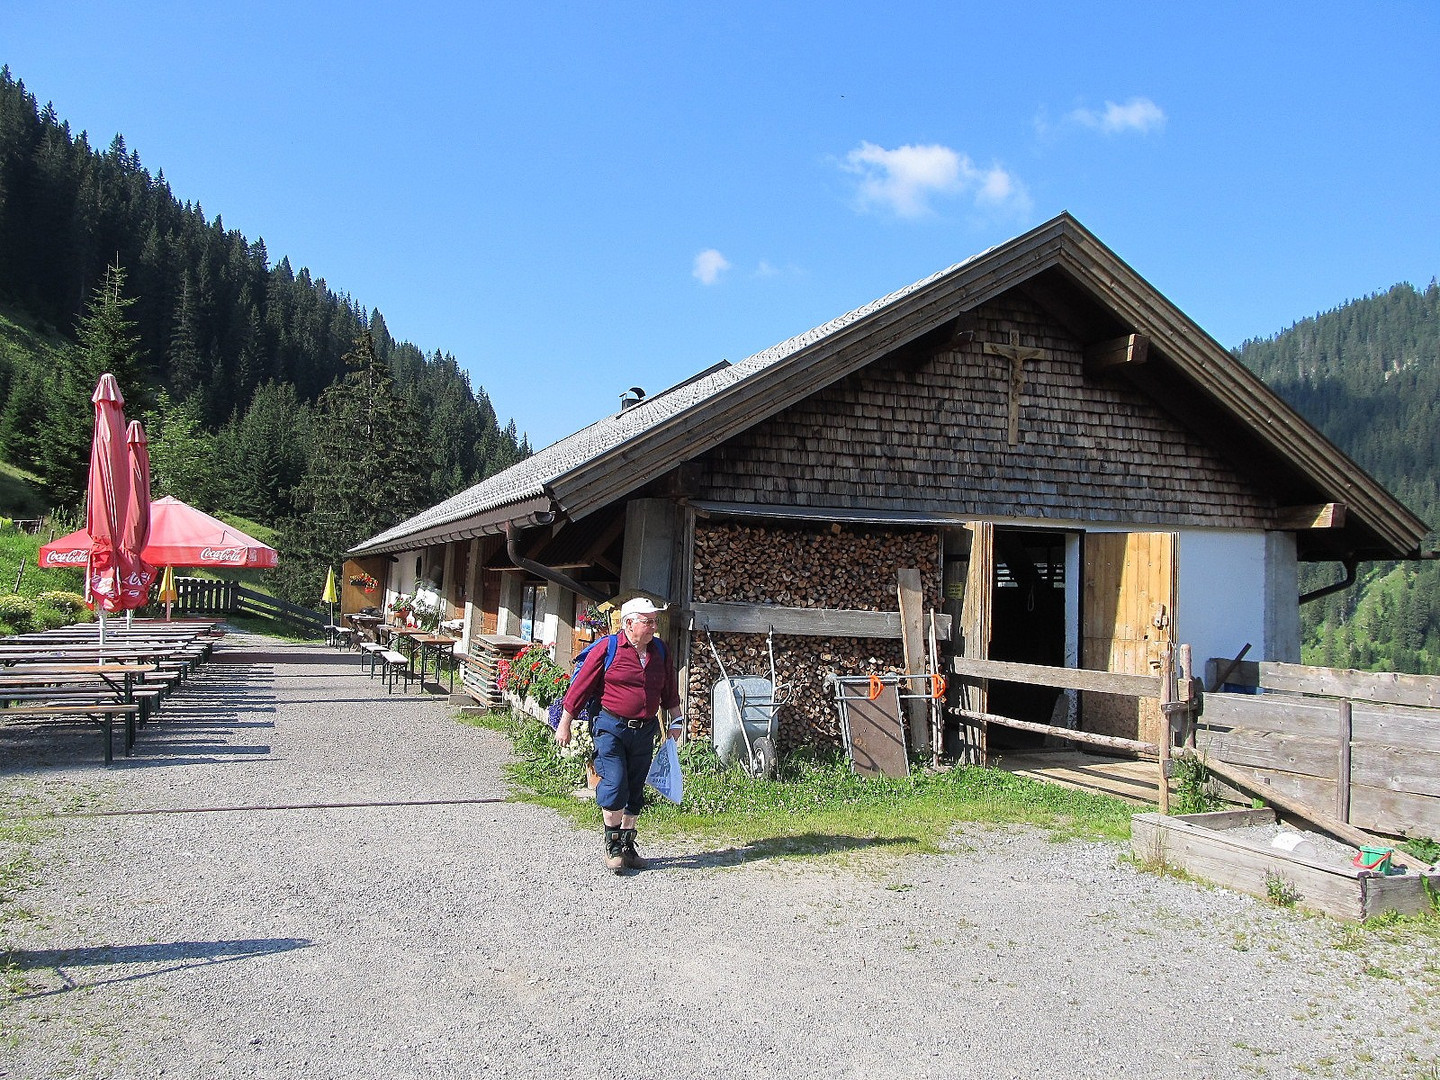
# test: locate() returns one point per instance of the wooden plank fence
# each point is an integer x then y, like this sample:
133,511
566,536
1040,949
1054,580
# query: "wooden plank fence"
207,596
1362,746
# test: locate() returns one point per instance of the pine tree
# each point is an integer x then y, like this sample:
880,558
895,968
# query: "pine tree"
363,474
108,342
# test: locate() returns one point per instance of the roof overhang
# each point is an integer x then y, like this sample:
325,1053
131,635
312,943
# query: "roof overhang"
525,514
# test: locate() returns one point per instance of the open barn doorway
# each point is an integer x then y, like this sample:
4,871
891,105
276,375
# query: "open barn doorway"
1012,595
1029,622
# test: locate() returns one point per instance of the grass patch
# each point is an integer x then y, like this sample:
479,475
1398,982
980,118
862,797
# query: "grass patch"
20,493
816,805
258,624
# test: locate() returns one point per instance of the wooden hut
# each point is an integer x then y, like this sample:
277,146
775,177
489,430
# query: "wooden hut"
1079,474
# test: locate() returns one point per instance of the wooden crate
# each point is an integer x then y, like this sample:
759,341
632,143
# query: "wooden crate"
1203,845
486,652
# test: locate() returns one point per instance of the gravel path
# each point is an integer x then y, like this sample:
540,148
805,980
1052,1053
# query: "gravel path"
479,937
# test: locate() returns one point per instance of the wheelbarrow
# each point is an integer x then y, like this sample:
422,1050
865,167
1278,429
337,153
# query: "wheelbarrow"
745,721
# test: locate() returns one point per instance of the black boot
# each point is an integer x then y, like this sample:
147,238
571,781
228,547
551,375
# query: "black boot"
628,855
615,848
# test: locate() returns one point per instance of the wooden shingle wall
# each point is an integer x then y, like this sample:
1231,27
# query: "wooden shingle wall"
930,434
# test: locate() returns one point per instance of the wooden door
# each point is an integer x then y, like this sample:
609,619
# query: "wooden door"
1128,606
975,621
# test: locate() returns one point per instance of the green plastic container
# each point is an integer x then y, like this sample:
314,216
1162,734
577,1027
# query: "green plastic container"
1374,859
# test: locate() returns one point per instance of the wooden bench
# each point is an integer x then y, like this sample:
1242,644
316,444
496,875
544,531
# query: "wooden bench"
102,714
397,666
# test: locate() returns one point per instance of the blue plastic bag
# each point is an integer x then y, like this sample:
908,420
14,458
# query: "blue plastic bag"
664,774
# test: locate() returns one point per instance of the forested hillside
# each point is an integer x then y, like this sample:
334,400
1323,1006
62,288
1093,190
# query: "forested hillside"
228,357
1368,375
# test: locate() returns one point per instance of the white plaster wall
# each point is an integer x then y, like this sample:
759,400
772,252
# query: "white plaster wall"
1223,589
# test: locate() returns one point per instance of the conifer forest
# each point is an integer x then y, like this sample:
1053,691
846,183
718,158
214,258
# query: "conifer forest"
226,356
272,394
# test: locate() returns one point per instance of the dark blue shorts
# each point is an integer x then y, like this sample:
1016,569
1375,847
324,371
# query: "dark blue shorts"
622,758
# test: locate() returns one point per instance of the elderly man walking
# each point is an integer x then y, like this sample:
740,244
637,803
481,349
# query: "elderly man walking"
636,685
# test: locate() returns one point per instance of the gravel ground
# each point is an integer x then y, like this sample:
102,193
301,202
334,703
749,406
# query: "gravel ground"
478,937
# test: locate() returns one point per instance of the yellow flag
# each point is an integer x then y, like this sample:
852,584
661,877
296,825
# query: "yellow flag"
331,596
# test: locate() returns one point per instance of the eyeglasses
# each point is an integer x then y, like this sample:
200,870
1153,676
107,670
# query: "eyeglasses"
648,620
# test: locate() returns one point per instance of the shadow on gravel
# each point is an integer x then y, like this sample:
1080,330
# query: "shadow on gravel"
173,955
778,847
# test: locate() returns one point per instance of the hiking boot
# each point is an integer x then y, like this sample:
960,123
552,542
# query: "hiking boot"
615,849
628,855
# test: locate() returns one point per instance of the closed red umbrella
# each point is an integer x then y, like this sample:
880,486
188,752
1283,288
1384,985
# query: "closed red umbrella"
107,498
140,574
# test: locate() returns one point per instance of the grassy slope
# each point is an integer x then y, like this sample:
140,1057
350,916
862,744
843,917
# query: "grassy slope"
21,343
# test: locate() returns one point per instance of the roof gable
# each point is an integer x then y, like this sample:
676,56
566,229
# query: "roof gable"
1060,264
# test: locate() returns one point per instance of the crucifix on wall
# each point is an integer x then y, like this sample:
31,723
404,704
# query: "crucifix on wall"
1017,357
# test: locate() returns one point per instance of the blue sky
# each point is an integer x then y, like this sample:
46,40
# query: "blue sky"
577,198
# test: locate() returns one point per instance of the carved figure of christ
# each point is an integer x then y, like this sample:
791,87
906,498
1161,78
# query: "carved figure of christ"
1017,357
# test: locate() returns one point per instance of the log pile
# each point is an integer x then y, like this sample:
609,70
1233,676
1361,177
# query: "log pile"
826,566
808,713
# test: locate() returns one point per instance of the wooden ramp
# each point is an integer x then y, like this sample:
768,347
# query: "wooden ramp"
1125,778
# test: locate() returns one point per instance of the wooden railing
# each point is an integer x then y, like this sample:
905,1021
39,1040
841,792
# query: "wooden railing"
1175,693
1348,750
207,596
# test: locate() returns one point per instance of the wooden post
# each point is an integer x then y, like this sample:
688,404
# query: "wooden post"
912,640
1342,771
1188,688
1167,698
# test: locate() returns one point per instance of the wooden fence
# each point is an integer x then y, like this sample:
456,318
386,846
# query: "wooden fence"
1173,691
1362,746
207,596
1361,749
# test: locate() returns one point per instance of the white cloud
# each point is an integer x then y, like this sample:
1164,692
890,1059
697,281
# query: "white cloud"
1138,114
709,265
907,178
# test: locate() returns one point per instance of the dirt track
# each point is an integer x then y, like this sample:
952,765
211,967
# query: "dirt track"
464,935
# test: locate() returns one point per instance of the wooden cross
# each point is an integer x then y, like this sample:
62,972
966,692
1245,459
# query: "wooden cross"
1017,357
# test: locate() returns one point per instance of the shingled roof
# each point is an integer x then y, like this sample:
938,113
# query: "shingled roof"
1059,260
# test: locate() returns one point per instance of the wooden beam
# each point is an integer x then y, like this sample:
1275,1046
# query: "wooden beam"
1378,686
1319,516
1104,682
911,596
812,622
1111,742
1129,351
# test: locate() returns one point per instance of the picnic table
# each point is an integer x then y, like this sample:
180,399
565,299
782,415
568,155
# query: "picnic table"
67,673
97,692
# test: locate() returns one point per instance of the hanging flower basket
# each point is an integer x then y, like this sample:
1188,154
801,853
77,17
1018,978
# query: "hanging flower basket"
364,581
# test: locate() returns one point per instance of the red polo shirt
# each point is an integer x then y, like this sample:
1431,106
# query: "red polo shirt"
630,692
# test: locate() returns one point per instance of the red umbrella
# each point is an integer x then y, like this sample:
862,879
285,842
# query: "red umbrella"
180,535
107,498
135,590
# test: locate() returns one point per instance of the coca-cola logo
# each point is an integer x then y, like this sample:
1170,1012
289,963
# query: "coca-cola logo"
66,558
235,555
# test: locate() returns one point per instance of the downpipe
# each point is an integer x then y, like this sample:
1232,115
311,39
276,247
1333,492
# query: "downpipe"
548,573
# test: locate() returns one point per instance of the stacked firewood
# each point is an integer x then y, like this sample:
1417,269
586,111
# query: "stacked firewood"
828,567
808,712
803,567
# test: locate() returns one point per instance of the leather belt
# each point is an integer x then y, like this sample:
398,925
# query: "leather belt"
631,723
